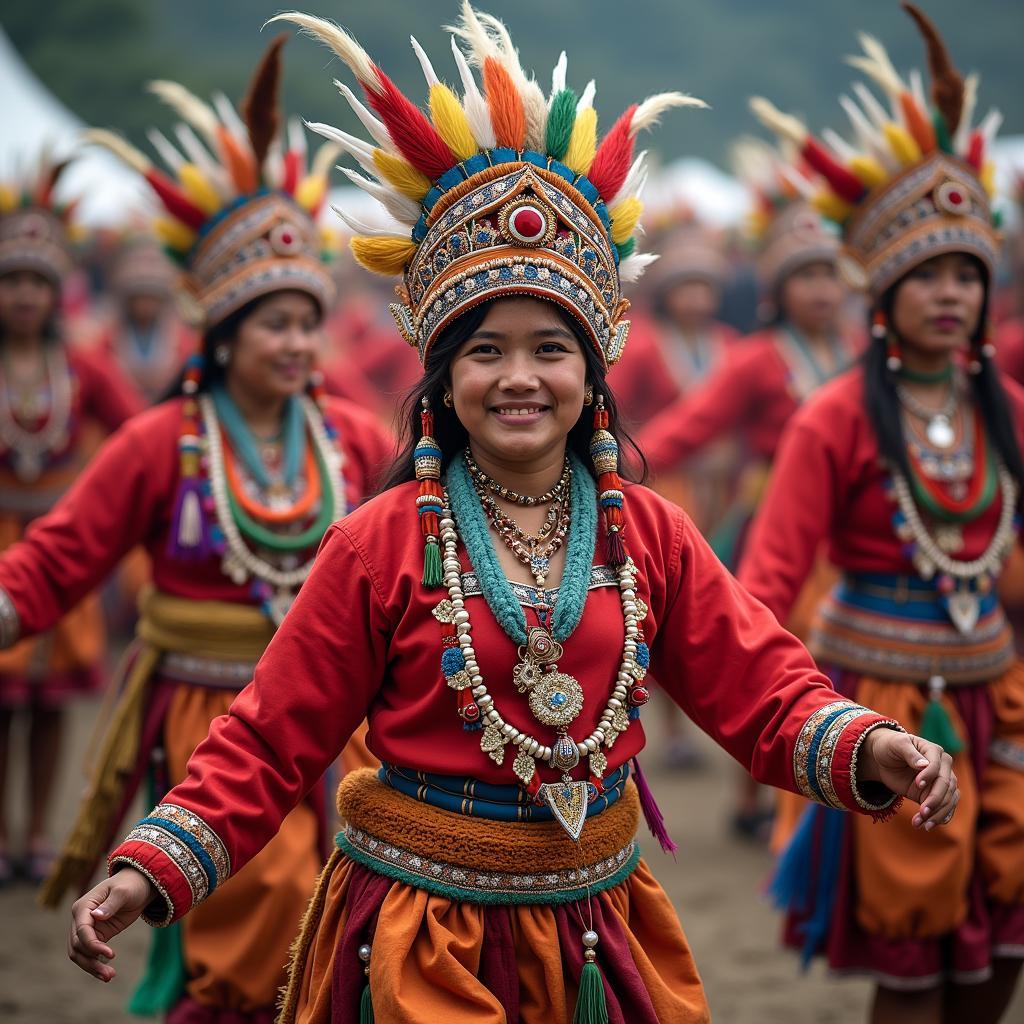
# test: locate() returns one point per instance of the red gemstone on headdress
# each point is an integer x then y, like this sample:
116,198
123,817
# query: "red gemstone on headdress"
528,224
287,238
954,197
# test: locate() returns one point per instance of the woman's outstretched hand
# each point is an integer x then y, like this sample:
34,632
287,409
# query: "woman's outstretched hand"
915,768
103,912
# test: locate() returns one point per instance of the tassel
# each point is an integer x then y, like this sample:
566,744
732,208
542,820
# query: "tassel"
936,725
591,1007
365,1000
652,812
604,451
427,460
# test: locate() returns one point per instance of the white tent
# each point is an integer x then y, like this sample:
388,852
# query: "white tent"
33,118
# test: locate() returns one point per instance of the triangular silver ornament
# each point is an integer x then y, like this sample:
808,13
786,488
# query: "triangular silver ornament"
568,802
963,609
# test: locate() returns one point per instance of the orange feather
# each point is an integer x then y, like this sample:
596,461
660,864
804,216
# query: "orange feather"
506,105
239,163
917,124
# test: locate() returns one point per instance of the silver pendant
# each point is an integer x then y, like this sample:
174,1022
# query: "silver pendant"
568,802
964,609
28,466
556,700
940,432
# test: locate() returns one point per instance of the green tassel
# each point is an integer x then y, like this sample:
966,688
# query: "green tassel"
942,137
937,727
590,1005
626,249
366,1006
560,121
432,564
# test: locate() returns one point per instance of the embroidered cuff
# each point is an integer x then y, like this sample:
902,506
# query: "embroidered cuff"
825,758
180,854
10,625
1007,753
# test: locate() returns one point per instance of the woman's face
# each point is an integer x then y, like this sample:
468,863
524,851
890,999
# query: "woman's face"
276,346
518,382
811,298
27,302
937,306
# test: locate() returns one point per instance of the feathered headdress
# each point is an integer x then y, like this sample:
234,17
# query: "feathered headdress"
783,227
915,180
501,190
238,198
34,223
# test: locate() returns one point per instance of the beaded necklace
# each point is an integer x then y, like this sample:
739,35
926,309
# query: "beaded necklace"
555,698
31,450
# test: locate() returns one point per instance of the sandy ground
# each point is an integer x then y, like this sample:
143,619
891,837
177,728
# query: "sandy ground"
714,884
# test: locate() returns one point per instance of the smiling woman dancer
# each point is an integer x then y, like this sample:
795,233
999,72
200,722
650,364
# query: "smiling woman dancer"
489,872
911,469
230,488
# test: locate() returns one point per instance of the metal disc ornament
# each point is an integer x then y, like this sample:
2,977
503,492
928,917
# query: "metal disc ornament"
940,432
557,699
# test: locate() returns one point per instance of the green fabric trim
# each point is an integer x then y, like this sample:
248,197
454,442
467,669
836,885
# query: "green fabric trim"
479,896
985,499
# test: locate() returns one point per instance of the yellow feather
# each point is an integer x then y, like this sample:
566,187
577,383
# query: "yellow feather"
988,178
402,175
624,217
829,205
198,188
451,122
869,170
902,143
8,198
309,192
583,142
383,255
174,234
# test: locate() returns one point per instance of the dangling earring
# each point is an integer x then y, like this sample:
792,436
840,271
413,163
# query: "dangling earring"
427,462
222,355
880,332
604,451
449,402
588,396
981,349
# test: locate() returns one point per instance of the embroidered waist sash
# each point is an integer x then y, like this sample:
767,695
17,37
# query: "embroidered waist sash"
482,860
213,630
896,627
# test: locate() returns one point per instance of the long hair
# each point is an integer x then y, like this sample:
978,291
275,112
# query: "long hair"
452,436
883,405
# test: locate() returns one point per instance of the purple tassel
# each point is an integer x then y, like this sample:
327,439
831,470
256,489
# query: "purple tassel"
189,538
652,812
616,549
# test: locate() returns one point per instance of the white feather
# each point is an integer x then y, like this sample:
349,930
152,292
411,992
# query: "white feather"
477,112
797,180
963,130
384,227
535,107
647,113
361,151
635,178
472,32
874,110
632,267
200,156
839,145
587,99
558,75
229,117
189,107
324,159
273,165
428,69
296,136
404,210
989,126
170,156
377,129
868,137
337,39
917,89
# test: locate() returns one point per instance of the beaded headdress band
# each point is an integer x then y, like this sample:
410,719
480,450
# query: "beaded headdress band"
504,192
34,224
239,202
785,230
915,181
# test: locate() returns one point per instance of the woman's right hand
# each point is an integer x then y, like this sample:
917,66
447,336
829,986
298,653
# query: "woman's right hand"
103,912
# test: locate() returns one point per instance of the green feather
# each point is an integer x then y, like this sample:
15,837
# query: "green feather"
626,249
942,136
561,118
937,727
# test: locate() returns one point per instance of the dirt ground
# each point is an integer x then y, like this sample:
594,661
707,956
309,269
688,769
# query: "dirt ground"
715,884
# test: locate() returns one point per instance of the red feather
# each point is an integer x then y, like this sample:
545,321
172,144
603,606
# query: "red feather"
976,150
613,158
416,138
178,205
844,183
292,171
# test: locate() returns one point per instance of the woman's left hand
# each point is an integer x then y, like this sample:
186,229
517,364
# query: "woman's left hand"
914,768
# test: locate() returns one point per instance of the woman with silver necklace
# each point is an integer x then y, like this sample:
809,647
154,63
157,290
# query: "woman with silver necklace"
56,403
494,612
229,485
909,466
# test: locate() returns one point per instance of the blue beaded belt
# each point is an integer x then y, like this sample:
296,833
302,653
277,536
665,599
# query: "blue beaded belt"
465,795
